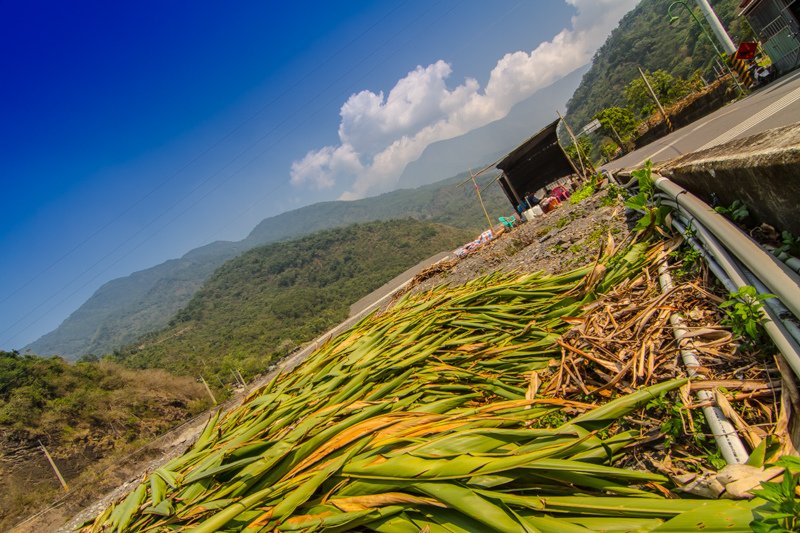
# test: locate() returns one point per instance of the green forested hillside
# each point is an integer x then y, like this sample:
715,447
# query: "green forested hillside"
62,403
124,309
646,39
267,301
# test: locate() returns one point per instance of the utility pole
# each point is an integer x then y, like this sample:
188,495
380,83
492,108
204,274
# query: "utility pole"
653,94
208,390
55,468
716,26
720,32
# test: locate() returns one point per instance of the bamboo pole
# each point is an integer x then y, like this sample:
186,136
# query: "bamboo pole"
55,468
480,198
578,150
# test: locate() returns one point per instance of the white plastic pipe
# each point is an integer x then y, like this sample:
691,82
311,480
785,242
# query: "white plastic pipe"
730,445
789,349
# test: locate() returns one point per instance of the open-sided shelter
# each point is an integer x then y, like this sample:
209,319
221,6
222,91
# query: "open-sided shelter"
535,163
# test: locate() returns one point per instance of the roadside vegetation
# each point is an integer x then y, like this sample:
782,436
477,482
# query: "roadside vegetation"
82,412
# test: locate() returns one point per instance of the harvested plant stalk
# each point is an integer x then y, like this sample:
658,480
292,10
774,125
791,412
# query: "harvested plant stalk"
428,417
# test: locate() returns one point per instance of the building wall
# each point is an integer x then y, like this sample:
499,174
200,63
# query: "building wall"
777,23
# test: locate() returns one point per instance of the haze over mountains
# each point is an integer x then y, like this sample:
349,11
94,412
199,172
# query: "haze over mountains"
123,309
126,308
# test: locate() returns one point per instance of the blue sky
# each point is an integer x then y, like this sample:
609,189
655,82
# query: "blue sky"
134,132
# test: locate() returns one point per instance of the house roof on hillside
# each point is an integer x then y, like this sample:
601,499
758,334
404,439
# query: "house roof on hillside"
538,161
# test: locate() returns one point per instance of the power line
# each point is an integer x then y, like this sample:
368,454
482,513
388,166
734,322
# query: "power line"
195,159
277,127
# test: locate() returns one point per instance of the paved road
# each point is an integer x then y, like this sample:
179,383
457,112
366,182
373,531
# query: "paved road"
775,105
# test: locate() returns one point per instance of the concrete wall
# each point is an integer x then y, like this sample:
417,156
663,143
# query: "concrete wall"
763,171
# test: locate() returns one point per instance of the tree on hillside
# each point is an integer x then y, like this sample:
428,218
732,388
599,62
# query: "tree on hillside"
668,88
585,146
617,123
608,149
644,38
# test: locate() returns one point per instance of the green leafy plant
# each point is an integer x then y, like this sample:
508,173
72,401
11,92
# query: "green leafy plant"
585,191
737,211
781,511
684,428
614,192
691,231
672,426
715,459
790,244
654,215
690,261
743,313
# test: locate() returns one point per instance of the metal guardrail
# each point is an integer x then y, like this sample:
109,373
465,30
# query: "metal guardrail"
739,261
736,260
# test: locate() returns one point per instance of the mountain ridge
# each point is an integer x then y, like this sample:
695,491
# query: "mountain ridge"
124,308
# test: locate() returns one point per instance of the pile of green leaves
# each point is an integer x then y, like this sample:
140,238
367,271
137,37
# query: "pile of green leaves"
427,417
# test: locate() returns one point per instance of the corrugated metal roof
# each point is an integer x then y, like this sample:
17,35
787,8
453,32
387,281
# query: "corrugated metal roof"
530,145
537,162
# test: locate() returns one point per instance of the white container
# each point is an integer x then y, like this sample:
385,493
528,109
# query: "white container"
534,211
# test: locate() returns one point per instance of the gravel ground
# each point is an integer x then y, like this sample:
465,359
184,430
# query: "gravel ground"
569,237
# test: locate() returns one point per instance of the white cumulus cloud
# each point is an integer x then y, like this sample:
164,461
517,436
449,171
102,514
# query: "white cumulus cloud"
380,134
